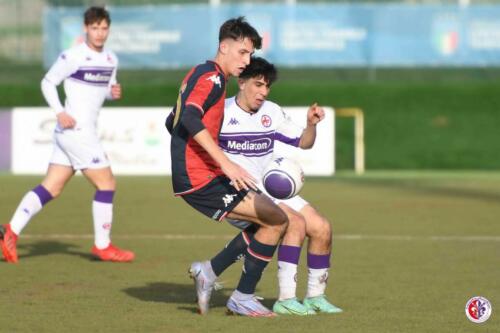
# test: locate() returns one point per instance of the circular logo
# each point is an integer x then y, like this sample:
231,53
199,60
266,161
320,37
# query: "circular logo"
478,309
266,120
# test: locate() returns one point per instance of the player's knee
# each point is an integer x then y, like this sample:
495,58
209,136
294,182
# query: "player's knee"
54,190
108,184
320,228
296,226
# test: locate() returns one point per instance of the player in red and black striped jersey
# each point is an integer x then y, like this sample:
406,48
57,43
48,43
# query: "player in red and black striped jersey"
214,185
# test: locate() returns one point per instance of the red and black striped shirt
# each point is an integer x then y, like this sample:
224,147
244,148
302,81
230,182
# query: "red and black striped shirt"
203,88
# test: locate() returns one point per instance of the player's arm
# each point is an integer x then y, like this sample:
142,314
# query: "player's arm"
61,69
169,123
239,176
115,89
191,121
314,115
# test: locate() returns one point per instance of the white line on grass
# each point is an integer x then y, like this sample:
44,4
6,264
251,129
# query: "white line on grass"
226,237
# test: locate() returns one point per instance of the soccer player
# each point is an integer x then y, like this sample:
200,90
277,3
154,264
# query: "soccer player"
249,131
89,74
209,182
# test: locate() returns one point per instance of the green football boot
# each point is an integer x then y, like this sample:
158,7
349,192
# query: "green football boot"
321,304
291,306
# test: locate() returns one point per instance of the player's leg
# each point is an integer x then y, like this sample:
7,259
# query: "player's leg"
102,212
272,222
319,231
30,205
288,260
236,248
60,170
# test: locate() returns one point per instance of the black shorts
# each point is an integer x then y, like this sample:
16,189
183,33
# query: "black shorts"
216,199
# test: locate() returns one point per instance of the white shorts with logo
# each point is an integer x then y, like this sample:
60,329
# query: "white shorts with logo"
79,149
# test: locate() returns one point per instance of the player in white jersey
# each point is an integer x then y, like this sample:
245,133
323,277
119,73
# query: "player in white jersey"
250,128
89,74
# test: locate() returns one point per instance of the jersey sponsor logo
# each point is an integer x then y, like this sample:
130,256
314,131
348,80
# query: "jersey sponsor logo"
258,144
266,120
99,77
91,77
215,79
247,145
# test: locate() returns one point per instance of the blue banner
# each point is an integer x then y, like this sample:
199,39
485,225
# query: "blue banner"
294,35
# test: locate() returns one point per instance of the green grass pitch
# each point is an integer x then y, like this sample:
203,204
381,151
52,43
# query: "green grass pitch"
410,249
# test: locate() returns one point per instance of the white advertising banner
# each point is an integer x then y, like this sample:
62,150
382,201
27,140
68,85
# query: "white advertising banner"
137,143
319,160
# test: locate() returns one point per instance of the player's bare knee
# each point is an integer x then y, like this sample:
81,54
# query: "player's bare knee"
319,228
296,226
108,184
55,190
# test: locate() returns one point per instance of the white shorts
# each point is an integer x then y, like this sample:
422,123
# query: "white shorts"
78,148
296,203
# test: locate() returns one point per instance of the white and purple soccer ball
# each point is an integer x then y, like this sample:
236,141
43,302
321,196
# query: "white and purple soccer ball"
283,178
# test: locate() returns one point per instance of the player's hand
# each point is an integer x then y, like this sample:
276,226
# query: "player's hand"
116,91
65,120
240,178
315,114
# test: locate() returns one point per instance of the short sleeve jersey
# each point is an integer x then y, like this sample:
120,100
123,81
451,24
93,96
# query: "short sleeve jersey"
88,76
203,88
248,138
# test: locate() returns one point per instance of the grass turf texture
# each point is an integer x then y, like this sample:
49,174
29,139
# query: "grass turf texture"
437,119
390,273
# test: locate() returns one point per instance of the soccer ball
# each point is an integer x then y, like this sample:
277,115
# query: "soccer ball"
283,178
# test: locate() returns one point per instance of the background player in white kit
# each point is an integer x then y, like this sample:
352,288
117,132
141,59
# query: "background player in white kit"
250,128
89,74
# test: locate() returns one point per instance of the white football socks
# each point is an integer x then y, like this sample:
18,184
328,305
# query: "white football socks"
316,282
287,280
103,218
28,207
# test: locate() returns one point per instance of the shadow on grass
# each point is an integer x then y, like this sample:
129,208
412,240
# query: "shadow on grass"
177,293
43,248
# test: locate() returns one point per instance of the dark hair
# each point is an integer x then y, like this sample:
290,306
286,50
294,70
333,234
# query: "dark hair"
96,15
238,28
260,67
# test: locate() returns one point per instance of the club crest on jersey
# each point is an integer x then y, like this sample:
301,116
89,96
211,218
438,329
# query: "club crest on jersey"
216,80
266,120
110,59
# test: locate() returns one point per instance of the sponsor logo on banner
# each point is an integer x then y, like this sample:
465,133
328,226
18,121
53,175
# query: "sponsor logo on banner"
136,142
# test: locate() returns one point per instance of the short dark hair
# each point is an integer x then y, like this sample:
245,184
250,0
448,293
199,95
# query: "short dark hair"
96,15
260,67
238,28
